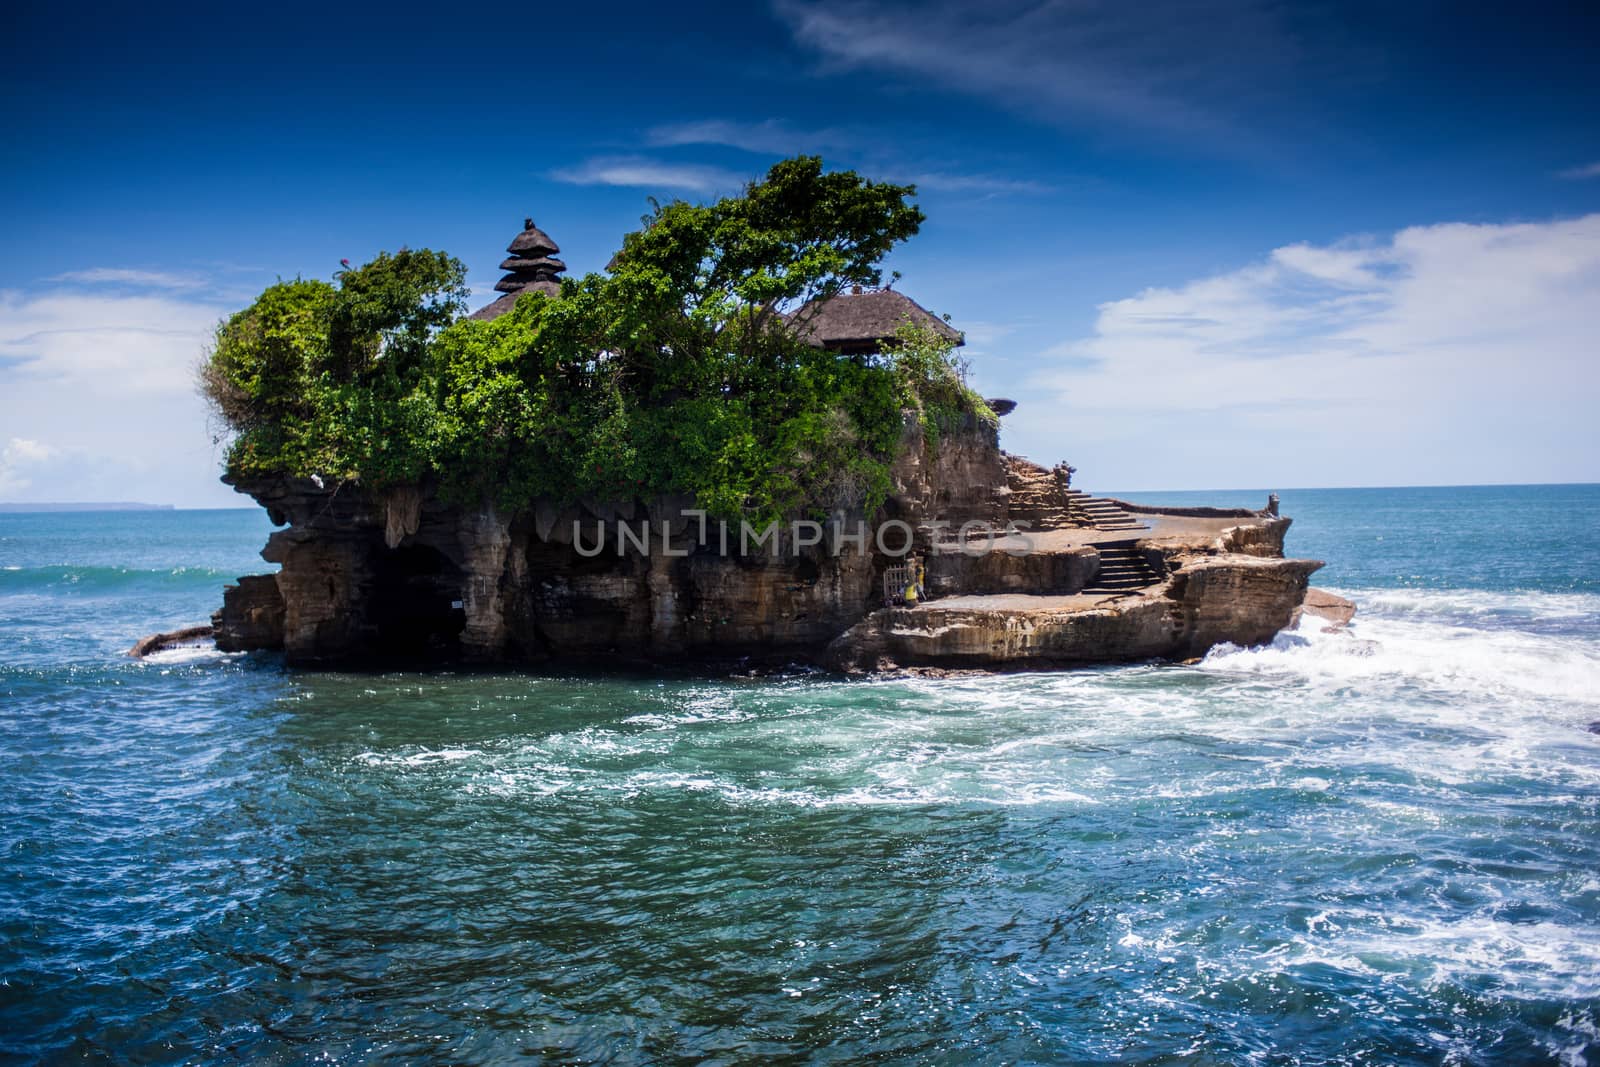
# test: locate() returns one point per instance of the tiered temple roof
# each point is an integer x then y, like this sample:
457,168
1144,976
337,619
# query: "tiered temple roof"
532,268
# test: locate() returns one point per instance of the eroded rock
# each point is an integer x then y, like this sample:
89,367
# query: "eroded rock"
405,576
1335,609
252,615
1233,598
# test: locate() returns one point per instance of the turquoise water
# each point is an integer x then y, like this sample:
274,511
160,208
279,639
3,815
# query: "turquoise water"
1381,847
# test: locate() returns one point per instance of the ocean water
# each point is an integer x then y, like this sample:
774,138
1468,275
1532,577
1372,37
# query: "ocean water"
1379,847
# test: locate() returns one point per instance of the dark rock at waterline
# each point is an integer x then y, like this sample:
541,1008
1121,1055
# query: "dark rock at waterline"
405,575
252,615
1594,728
189,635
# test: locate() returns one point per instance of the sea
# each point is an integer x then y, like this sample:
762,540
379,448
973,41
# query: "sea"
1380,846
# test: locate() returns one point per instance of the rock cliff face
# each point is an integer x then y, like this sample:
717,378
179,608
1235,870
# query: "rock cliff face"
404,576
1208,598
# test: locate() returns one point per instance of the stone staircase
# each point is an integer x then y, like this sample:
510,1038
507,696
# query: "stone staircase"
1101,513
1123,569
1038,498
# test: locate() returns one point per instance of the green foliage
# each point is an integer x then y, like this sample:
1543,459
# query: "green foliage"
933,376
673,374
264,358
314,378
798,234
388,310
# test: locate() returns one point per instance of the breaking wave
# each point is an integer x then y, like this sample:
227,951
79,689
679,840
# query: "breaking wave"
107,581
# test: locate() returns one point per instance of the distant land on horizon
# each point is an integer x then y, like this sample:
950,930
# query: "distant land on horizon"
1347,488
119,505
27,507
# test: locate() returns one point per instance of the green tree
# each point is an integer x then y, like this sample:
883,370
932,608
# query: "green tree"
674,373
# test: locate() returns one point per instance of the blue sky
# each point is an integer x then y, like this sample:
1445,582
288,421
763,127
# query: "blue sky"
1205,244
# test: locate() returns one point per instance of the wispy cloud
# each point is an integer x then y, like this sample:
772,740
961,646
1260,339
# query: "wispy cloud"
19,459
1442,353
119,343
640,172
31,470
984,184
771,136
982,336
1174,65
776,137
125,276
1591,170
97,396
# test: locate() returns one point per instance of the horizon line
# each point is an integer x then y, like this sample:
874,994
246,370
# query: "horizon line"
67,507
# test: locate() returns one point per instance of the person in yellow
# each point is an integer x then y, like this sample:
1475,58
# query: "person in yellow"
914,590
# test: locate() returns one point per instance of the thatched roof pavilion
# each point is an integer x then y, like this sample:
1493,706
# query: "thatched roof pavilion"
860,322
532,268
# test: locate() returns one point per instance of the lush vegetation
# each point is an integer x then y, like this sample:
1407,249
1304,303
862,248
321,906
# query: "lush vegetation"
674,373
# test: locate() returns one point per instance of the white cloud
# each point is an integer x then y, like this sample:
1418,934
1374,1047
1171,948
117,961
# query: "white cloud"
775,137
146,279
128,344
36,472
1591,170
19,456
20,451
643,173
1149,64
1448,353
982,336
986,184
97,398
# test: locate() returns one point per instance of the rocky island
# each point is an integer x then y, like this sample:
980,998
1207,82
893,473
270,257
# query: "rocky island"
735,444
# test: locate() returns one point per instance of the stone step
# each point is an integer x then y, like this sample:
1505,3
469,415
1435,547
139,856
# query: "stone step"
1123,569
1036,496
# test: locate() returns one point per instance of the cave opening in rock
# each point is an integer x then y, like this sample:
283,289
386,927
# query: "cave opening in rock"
417,603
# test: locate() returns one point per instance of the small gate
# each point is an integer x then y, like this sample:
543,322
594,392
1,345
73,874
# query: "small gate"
900,577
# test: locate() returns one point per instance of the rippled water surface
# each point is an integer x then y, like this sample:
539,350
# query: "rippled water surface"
1376,847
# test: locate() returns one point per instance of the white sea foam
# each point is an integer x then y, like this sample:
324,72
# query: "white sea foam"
1581,1036
1439,705
183,655
1428,656
418,757
1470,603
1523,960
